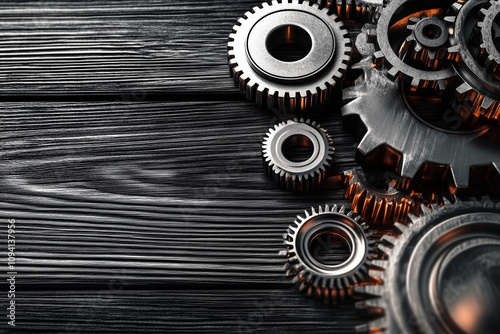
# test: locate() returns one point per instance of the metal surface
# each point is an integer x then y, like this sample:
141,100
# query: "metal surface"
479,94
288,86
442,274
322,278
301,174
409,142
386,53
375,197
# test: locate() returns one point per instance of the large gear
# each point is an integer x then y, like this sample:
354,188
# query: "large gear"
427,43
331,277
386,53
407,143
377,205
479,94
289,86
441,275
490,33
302,174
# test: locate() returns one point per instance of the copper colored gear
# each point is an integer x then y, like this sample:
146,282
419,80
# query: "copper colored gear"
375,205
359,10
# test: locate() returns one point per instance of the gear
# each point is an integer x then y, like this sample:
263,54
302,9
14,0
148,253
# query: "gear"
289,86
395,11
297,174
490,33
377,205
407,144
329,253
479,94
363,10
441,275
427,43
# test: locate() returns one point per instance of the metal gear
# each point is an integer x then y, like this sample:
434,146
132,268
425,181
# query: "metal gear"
377,205
490,33
363,10
329,270
289,86
479,94
427,43
385,54
441,275
406,143
301,174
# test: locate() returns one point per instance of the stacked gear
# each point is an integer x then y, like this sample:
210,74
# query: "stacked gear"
423,93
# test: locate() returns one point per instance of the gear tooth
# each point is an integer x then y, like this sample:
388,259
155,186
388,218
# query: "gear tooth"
389,239
454,50
342,210
393,73
369,290
384,249
401,227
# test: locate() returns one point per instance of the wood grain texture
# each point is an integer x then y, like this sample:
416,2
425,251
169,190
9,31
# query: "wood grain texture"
161,192
134,48
103,47
145,175
178,311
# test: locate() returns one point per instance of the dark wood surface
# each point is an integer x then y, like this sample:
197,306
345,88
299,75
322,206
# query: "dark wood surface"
132,168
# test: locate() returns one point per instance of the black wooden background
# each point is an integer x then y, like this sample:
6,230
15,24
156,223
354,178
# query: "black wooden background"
132,167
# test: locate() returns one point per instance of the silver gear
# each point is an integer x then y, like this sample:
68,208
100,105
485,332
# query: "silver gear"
479,94
441,275
298,175
289,86
427,43
331,282
375,205
397,67
406,141
490,31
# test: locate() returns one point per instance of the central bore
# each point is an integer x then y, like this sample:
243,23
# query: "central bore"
330,247
289,43
297,148
432,31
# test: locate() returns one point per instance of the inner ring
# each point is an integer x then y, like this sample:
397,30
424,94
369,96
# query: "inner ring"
322,43
431,32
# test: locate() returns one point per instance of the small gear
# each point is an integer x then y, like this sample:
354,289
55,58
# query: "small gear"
440,275
490,33
427,43
404,143
375,197
393,12
362,10
289,86
297,174
479,93
329,253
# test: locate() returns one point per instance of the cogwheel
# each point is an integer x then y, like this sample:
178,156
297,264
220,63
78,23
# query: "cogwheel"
412,144
395,11
289,86
301,174
490,35
329,253
441,275
479,94
375,197
359,10
427,43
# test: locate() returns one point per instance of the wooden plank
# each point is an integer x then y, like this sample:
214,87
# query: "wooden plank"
113,47
177,311
163,193
137,49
